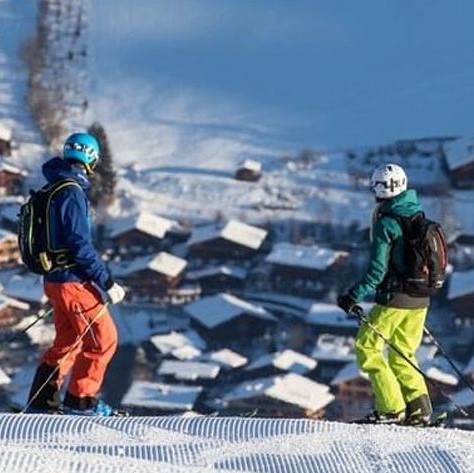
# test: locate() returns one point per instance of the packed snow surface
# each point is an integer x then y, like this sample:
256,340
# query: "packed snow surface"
33,443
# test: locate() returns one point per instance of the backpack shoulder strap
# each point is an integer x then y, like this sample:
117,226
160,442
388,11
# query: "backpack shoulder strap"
57,186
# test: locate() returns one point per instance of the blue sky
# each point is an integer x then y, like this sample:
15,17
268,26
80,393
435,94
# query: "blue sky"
321,73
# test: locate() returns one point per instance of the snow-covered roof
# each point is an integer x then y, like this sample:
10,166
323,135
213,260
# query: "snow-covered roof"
27,288
334,348
234,231
286,360
437,374
227,359
348,373
186,352
161,396
162,263
290,388
7,167
169,342
310,257
218,309
10,302
41,333
459,152
461,284
5,132
331,315
251,165
234,271
4,378
189,370
145,222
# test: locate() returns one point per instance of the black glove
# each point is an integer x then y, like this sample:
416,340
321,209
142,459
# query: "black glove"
346,303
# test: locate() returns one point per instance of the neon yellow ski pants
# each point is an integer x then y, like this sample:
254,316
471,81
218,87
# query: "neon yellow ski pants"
393,380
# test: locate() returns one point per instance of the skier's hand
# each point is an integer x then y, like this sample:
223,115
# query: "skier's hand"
346,303
115,294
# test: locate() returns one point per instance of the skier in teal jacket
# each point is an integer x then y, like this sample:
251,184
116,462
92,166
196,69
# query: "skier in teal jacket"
401,394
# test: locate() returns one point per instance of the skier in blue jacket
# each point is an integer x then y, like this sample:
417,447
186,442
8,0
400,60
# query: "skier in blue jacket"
86,337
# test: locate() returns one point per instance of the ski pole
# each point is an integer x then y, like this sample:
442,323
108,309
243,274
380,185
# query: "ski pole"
359,312
448,359
23,331
66,356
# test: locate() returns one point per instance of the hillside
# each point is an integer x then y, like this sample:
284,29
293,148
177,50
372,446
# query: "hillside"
31,443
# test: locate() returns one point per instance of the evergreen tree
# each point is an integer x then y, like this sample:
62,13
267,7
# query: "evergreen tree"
104,180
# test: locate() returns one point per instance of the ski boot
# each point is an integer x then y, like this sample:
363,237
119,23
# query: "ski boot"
419,412
375,417
89,406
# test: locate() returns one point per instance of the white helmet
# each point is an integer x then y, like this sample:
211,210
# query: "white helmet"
388,180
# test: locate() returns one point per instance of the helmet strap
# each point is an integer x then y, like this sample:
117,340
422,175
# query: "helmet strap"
89,169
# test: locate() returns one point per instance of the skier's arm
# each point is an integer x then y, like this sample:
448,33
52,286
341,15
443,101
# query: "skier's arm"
76,228
379,260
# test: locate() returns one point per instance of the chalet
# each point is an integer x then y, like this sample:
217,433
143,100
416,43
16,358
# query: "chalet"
218,278
305,270
11,178
144,233
182,345
5,140
188,371
459,156
332,353
234,240
151,277
226,317
290,395
27,288
12,311
461,296
330,319
353,392
9,250
286,361
153,398
250,170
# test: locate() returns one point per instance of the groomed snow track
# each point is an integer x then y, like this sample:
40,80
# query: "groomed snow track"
35,443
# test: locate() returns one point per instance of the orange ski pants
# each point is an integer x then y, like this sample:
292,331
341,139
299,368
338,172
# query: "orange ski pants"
76,305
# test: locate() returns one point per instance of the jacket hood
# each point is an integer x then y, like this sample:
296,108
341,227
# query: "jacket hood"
405,204
57,169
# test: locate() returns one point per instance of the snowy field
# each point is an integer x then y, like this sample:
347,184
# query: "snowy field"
48,444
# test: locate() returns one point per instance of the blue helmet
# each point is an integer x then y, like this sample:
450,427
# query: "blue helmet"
84,148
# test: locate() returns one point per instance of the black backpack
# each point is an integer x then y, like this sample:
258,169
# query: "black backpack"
425,255
34,235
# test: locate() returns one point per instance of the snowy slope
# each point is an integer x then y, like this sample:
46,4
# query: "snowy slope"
31,443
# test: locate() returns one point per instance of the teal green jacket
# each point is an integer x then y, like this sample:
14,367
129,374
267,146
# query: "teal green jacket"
386,253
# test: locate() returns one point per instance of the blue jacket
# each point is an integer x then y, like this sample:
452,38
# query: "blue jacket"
70,226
